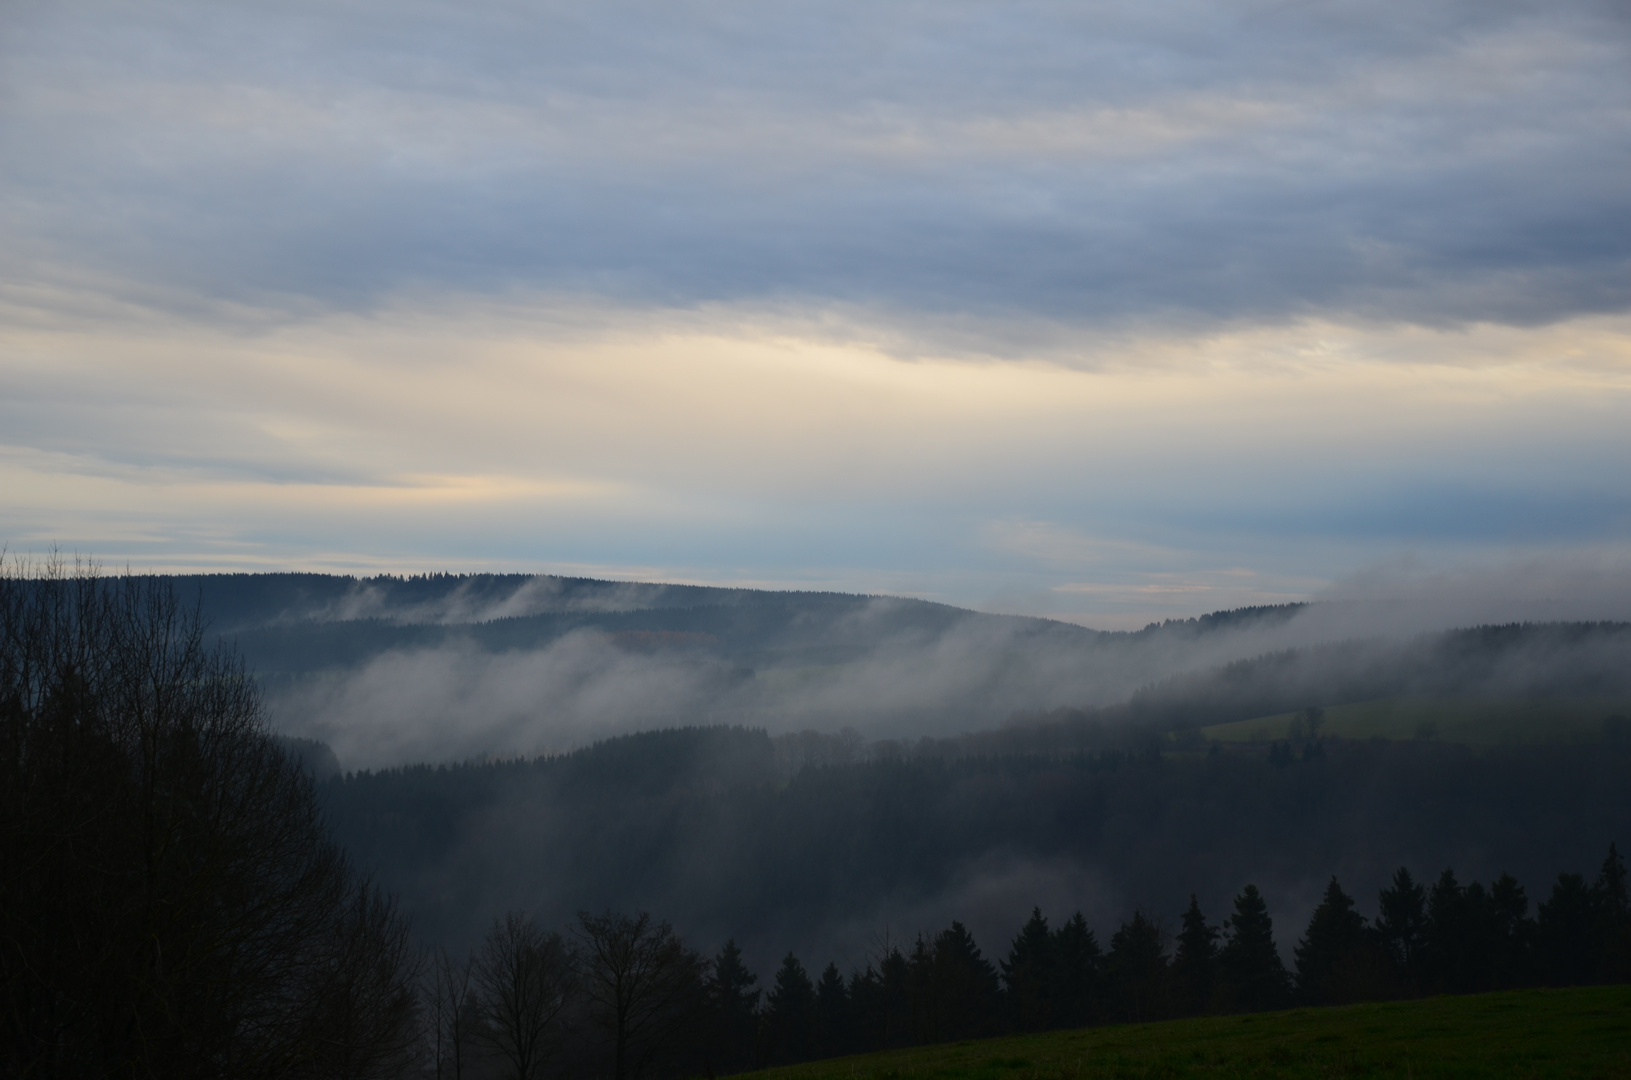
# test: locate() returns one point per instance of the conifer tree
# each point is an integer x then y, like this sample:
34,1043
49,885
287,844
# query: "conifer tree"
966,987
1568,932
1514,932
1136,968
1078,974
1401,926
867,1011
894,976
880,1001
1611,885
1461,936
1194,967
1253,976
1332,958
1029,976
1614,904
792,1012
832,1015
922,991
734,1001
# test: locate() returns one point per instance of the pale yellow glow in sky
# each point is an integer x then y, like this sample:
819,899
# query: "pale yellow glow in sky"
342,440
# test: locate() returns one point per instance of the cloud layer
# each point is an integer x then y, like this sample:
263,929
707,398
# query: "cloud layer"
1102,311
943,162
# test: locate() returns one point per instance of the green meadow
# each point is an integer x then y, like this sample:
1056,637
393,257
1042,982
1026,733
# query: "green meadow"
1581,1032
1477,722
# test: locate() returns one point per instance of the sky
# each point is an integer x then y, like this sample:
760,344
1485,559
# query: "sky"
1108,312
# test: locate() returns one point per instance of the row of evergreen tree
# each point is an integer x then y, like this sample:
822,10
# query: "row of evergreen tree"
1425,939
624,997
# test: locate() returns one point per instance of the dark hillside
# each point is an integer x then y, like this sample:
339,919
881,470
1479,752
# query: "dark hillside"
699,825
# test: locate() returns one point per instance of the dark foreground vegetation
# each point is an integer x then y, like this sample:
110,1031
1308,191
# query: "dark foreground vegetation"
1540,1034
686,1015
170,902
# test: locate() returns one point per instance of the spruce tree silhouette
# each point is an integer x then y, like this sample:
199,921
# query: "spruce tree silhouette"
1078,966
1194,967
966,991
833,1035
792,1012
1333,955
1136,970
1253,977
1402,926
1029,976
733,1002
1614,904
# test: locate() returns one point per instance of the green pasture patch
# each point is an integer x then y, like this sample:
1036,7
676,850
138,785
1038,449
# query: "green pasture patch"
1458,720
1582,1032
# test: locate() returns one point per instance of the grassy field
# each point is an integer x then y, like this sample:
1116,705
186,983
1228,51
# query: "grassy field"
1459,720
1584,1032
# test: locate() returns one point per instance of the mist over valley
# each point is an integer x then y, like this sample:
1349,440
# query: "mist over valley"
813,771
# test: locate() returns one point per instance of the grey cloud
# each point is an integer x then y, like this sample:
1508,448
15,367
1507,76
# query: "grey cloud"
1459,162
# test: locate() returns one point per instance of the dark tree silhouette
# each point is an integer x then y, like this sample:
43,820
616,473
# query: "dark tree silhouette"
361,995
1464,935
1567,934
170,903
524,977
880,999
1338,956
1136,970
642,988
1078,974
1252,975
733,1001
1614,913
1194,966
1401,926
1512,935
833,1027
791,1014
451,1015
1030,977
966,993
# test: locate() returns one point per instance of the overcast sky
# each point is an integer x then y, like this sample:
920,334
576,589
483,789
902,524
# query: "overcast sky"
1110,312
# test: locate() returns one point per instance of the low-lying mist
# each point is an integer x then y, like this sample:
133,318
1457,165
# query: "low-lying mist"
392,671
720,831
819,770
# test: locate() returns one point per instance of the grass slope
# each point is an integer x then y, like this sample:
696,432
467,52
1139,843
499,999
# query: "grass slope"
1583,1032
1452,720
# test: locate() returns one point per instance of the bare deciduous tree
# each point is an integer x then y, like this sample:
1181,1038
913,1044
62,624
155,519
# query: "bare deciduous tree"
525,979
170,903
452,1014
642,986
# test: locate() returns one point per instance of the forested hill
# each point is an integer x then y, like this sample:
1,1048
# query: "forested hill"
1551,661
730,834
749,627
391,670
446,667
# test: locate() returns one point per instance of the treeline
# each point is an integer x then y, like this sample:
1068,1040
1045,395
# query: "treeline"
622,996
712,828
